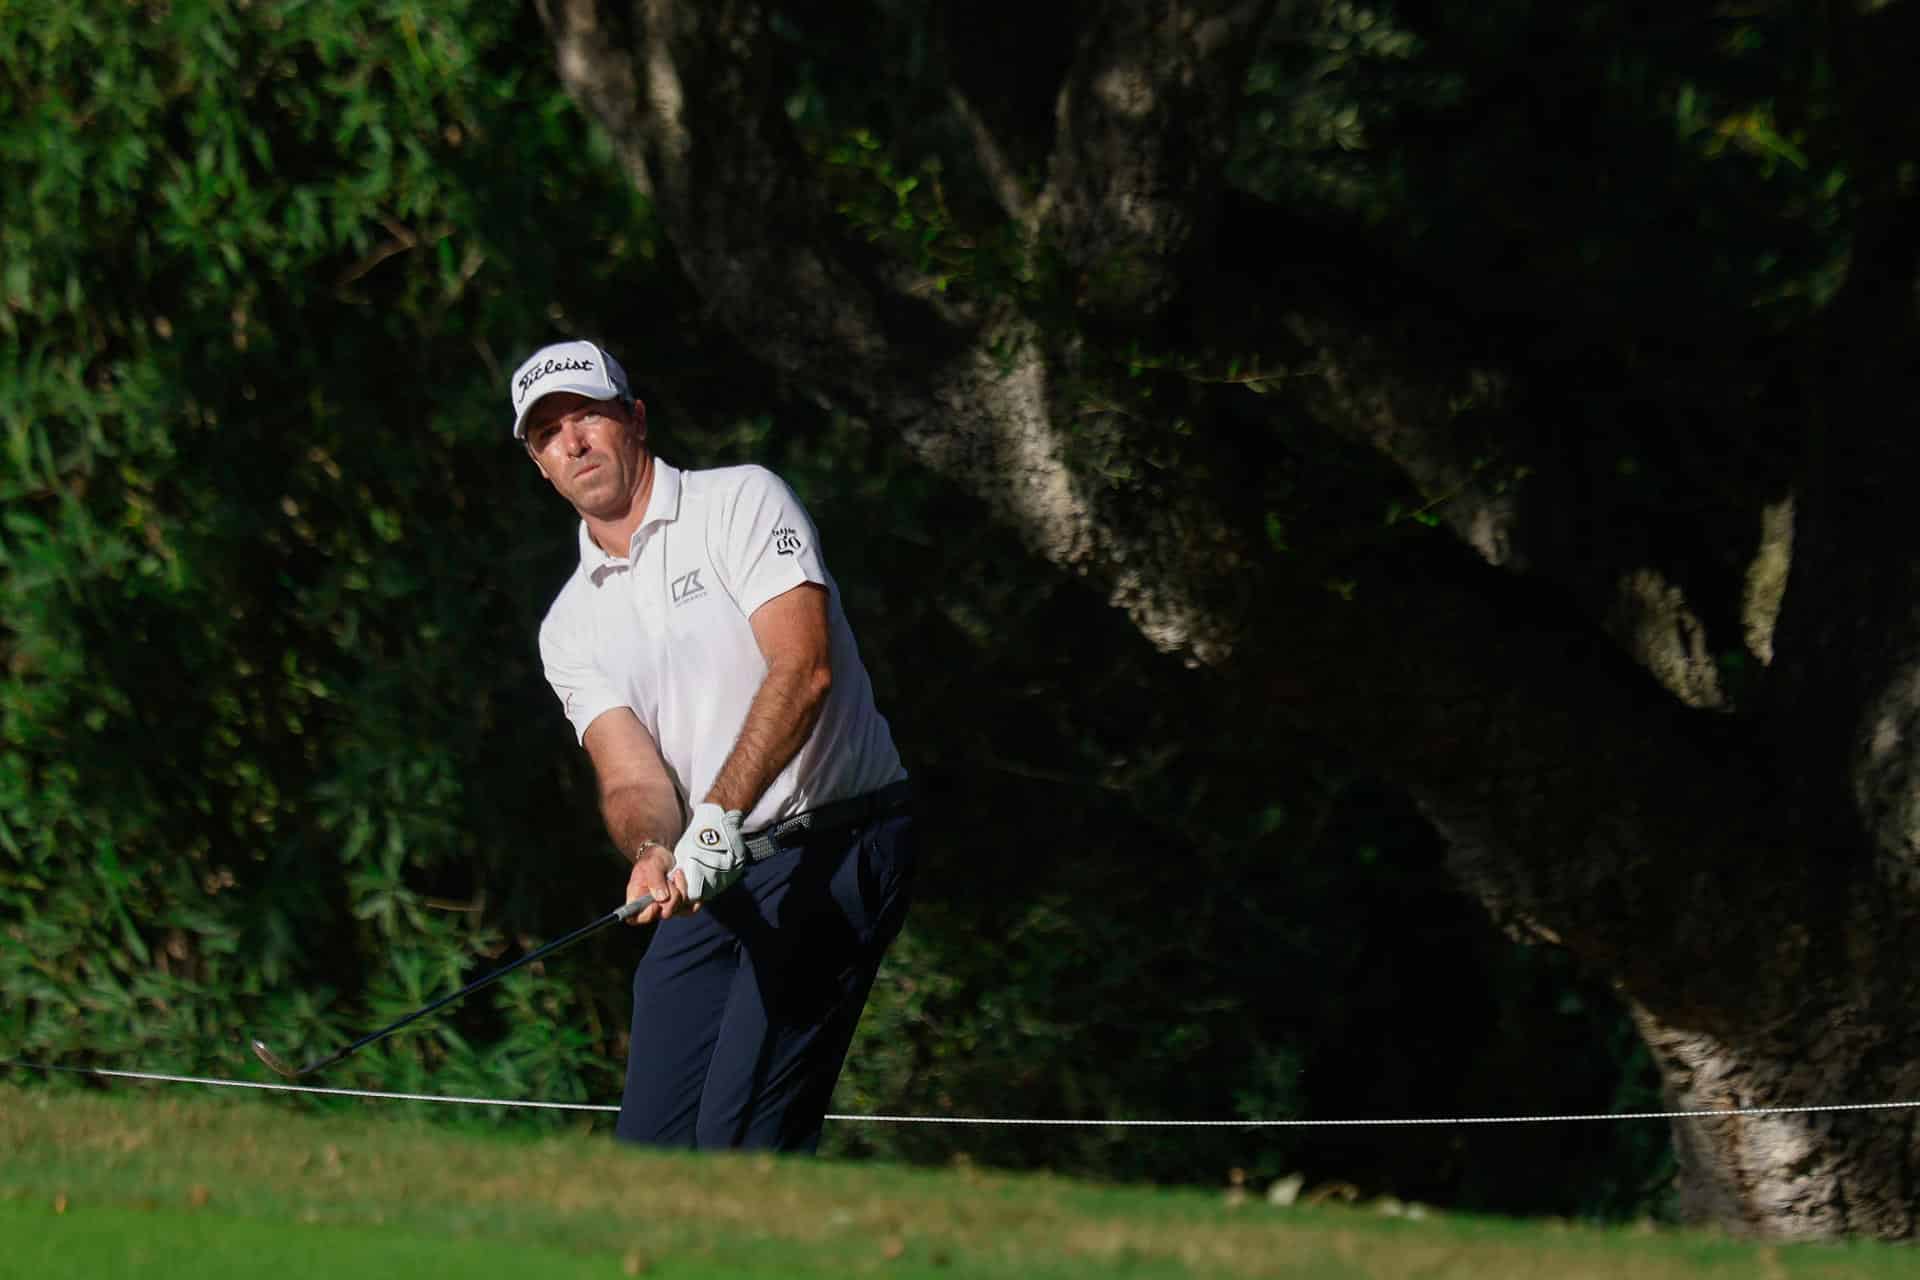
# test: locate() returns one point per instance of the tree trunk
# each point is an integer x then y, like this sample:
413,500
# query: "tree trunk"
1740,863
1794,1176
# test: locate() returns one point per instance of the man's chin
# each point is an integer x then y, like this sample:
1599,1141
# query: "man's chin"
606,504
591,491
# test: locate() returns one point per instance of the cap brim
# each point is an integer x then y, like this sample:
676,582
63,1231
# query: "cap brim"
601,392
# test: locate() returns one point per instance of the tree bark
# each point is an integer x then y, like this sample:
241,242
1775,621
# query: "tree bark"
1742,867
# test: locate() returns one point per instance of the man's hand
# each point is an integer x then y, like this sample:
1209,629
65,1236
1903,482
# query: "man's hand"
712,854
651,875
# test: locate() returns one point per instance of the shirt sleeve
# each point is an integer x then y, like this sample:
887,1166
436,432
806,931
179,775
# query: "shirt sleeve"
766,543
583,689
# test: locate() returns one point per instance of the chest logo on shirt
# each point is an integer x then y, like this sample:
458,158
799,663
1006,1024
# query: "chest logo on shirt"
785,540
687,587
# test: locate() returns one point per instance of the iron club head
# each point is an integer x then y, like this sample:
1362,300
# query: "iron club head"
274,1061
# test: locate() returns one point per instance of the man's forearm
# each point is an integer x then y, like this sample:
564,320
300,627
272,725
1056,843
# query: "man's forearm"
780,719
636,814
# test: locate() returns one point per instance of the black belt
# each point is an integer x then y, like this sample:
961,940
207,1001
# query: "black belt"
834,816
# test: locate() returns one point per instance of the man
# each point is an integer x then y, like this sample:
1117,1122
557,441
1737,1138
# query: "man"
700,652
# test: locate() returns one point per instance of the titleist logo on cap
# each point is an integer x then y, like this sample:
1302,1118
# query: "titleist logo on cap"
546,367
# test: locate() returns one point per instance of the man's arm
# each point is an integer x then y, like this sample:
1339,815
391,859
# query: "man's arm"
791,630
640,807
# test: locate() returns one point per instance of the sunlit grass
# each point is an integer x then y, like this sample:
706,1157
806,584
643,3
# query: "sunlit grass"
162,1185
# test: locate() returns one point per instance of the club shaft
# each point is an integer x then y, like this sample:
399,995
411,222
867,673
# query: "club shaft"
612,917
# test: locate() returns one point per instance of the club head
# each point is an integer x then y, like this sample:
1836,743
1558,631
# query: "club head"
274,1061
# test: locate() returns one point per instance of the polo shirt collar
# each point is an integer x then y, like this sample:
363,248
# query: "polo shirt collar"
663,504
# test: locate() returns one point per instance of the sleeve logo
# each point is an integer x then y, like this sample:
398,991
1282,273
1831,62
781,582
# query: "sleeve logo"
785,540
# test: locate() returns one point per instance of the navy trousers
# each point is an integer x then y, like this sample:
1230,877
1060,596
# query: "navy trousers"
742,1014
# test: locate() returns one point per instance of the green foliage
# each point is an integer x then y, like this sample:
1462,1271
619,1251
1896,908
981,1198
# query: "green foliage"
1668,168
905,210
267,580
1318,96
275,756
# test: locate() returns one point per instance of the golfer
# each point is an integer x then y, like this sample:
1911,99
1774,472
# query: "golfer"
700,652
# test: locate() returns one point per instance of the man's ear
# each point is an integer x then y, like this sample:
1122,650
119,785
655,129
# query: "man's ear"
534,458
640,417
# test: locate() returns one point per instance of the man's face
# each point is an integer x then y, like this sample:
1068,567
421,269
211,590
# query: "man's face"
591,451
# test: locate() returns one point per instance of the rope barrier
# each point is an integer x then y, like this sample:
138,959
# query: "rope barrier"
270,1087
1365,1122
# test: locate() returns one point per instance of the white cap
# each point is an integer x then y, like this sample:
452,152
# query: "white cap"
579,367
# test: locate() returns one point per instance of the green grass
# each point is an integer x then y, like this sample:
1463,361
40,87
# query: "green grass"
161,1185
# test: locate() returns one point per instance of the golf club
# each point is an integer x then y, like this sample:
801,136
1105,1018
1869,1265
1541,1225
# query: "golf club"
281,1066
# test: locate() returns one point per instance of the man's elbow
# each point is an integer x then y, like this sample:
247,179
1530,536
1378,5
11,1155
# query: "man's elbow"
818,683
808,680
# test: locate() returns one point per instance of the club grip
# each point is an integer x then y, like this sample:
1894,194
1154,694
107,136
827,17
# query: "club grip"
634,908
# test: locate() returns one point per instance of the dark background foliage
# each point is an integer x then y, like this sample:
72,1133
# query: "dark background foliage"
275,753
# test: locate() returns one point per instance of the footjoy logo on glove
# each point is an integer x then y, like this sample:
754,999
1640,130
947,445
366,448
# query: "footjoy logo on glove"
710,838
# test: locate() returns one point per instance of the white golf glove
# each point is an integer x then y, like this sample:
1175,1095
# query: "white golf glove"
712,854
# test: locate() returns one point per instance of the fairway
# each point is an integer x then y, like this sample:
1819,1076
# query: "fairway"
161,1185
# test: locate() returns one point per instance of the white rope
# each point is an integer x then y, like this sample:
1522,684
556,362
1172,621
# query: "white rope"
218,1083
1388,1122
1392,1121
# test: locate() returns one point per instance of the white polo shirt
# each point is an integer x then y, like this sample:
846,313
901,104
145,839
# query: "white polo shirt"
665,632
